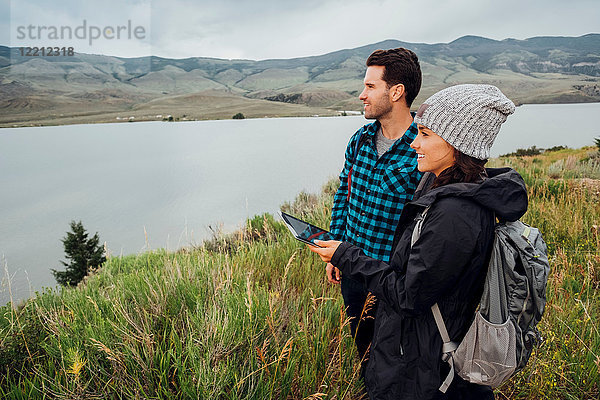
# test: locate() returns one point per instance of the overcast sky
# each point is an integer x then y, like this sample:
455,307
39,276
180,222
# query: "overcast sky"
261,29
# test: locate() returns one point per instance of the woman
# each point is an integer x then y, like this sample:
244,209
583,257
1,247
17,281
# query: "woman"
448,263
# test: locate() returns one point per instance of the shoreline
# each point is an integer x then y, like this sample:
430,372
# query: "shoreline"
179,121
121,117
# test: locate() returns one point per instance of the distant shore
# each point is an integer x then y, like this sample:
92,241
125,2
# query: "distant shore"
125,118
37,119
136,116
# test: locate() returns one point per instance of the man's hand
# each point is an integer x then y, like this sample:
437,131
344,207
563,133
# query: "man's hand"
333,274
328,247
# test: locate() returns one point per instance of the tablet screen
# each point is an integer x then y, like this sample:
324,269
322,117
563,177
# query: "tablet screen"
304,231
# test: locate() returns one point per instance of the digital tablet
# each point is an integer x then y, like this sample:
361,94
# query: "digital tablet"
303,231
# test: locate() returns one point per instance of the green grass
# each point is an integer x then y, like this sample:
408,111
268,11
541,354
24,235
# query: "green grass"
567,212
251,316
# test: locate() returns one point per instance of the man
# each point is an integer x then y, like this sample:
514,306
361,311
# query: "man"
379,176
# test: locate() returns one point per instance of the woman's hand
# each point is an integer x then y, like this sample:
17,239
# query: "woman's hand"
333,274
328,247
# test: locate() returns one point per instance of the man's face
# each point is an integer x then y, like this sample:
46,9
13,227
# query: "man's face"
376,95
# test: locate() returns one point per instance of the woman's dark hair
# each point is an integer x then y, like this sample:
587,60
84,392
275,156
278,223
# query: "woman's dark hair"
466,169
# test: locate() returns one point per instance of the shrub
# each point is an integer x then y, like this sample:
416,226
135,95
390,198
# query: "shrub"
572,168
239,116
84,254
556,148
532,151
555,169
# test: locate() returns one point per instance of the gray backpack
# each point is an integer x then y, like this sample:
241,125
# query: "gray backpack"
502,336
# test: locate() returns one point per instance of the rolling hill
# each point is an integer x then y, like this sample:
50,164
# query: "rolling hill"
97,88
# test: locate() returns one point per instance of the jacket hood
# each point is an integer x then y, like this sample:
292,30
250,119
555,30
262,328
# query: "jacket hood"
503,191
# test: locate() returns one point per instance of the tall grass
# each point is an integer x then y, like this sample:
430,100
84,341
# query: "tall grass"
250,315
567,212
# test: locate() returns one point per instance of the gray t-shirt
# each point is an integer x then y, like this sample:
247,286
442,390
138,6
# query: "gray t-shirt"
383,144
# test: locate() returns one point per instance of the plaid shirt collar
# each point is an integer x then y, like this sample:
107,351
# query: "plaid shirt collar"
408,137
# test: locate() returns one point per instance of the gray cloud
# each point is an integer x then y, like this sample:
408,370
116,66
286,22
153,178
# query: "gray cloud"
46,23
283,28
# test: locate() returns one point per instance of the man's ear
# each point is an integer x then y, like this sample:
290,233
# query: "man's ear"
397,92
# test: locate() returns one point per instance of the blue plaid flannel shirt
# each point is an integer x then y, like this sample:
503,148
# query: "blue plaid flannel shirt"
379,189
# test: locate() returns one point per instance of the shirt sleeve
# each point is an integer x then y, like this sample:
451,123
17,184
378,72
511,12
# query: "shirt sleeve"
436,262
339,211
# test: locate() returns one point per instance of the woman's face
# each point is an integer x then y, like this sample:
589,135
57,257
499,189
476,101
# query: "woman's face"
434,153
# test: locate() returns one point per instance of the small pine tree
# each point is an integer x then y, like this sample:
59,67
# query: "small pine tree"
239,116
83,253
597,141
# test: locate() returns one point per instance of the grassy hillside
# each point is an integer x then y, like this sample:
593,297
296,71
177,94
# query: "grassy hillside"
250,315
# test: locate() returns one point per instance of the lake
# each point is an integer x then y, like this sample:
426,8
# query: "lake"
151,185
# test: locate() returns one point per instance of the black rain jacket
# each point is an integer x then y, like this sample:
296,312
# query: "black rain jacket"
447,265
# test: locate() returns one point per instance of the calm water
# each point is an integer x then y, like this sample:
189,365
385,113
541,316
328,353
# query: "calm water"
156,184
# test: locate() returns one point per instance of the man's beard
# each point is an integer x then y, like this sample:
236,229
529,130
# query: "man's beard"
382,108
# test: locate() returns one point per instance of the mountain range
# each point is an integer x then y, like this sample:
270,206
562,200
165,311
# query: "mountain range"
46,90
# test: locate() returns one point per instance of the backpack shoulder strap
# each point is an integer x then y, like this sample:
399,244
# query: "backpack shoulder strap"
448,346
359,142
426,181
361,139
418,226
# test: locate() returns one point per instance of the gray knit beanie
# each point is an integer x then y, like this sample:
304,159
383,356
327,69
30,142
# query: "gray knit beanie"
468,117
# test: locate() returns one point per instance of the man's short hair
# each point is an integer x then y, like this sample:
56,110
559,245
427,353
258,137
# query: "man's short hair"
401,66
